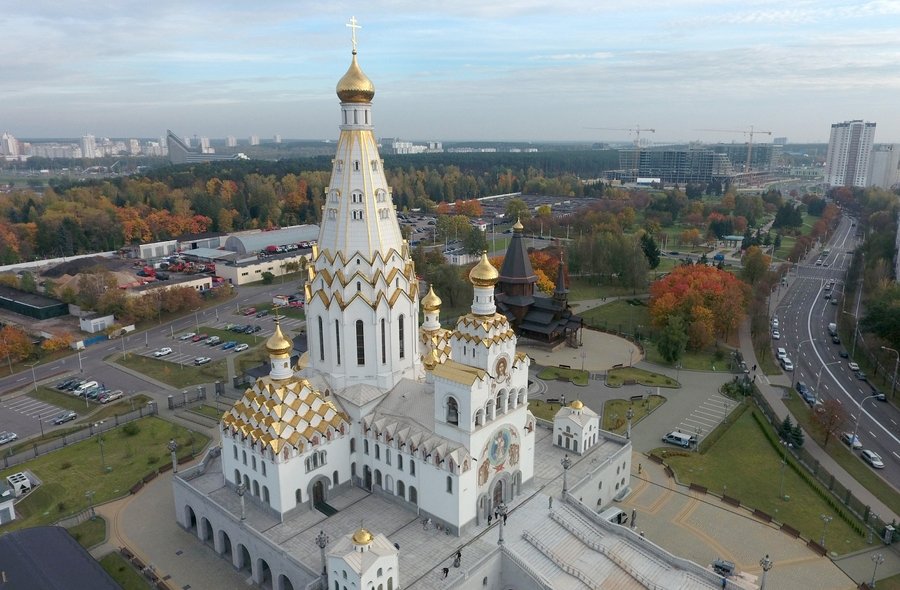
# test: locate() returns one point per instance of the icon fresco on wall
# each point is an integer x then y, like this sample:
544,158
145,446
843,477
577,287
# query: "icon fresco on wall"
500,451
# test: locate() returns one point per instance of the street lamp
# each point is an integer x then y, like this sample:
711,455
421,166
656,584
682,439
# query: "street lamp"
819,376
896,363
173,447
321,542
783,466
766,564
855,332
859,415
90,497
566,464
100,441
33,377
877,559
241,490
825,520
502,511
629,415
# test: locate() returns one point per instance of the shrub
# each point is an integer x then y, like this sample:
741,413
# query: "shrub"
61,506
131,429
152,460
65,465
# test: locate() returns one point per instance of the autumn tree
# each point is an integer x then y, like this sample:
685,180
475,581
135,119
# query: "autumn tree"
755,265
15,345
829,418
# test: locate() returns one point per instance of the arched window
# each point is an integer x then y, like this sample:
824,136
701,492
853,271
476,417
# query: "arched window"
380,572
352,445
253,463
262,465
412,467
400,462
449,485
365,447
360,341
452,411
244,456
321,340
383,344
334,478
337,340
402,337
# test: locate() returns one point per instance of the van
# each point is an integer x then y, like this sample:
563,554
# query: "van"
87,385
832,329
680,439
615,516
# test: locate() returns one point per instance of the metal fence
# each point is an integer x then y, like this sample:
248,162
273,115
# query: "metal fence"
867,519
94,428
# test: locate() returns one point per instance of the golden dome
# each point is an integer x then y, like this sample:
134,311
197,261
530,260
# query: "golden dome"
277,343
431,302
362,537
484,274
518,226
577,405
430,360
355,86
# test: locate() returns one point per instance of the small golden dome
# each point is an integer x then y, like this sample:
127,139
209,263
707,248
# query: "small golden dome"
431,302
518,226
362,537
277,343
355,86
484,274
577,405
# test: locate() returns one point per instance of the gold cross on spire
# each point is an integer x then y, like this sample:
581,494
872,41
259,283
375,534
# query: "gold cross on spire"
353,24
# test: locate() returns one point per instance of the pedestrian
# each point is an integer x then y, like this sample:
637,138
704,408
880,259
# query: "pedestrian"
754,367
458,559
640,468
724,582
397,546
550,502
445,572
642,534
490,517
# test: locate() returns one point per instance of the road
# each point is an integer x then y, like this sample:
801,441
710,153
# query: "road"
25,419
804,314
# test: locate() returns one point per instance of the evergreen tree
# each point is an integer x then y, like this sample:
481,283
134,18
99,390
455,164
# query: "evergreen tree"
651,250
786,428
797,438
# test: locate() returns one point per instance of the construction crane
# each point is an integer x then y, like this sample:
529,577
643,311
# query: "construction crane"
749,132
637,129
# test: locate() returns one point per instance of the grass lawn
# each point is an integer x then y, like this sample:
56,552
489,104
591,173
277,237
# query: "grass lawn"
618,315
171,373
543,410
73,470
787,244
575,376
614,410
210,411
767,362
250,358
744,465
90,532
617,377
844,457
123,572
703,360
581,288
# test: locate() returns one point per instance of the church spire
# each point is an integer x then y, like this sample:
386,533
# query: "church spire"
561,293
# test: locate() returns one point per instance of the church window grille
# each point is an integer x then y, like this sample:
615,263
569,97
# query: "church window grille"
568,429
452,411
337,340
321,340
358,286
380,193
383,344
402,338
360,342
412,467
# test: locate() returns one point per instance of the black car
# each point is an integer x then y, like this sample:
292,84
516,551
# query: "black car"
62,385
238,328
878,394
247,330
64,417
860,375
262,313
835,340
257,328
843,354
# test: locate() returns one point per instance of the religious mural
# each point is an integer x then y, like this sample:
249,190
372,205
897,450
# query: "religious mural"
500,452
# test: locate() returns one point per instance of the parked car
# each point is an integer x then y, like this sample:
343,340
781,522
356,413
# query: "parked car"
776,335
781,353
62,385
238,328
187,336
202,360
162,351
74,384
844,354
835,340
212,341
786,364
296,304
262,313
878,394
851,440
7,437
250,311
872,458
109,396
241,347
64,417
199,337
853,366
257,328
775,323
860,375
802,388
229,345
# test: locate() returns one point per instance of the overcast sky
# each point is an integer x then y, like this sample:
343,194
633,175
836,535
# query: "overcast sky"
458,70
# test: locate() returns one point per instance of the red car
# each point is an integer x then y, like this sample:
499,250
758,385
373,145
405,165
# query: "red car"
199,337
296,304
250,311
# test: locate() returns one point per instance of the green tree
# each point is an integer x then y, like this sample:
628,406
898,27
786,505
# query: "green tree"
785,431
517,209
797,439
673,339
651,250
267,278
27,282
756,265
476,242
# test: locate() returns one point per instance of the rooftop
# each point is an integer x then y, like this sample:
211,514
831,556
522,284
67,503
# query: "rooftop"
26,298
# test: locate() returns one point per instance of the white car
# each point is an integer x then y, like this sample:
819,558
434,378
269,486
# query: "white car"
774,322
872,458
241,347
853,366
162,352
776,335
782,354
786,364
202,360
847,437
187,336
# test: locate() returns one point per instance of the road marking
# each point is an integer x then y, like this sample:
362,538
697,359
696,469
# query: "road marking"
22,379
872,433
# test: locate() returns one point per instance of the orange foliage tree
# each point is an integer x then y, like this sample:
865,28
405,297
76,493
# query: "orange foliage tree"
711,302
14,343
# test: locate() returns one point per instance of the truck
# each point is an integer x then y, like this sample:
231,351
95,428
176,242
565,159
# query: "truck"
832,329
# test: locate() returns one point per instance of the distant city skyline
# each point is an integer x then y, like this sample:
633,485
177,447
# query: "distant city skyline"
533,71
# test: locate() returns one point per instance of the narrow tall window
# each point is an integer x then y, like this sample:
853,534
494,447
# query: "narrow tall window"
449,485
383,344
321,340
402,342
337,340
360,343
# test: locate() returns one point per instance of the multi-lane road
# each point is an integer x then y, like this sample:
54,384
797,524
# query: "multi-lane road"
804,314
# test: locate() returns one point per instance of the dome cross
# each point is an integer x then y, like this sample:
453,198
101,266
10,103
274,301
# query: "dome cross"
353,25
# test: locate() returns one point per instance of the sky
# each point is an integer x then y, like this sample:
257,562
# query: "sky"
527,70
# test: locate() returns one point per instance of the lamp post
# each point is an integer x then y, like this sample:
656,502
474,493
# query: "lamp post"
783,466
766,564
877,559
825,520
859,415
855,331
502,511
566,464
173,448
90,498
100,442
241,490
321,543
123,346
197,320
819,376
33,377
80,368
41,422
629,415
896,364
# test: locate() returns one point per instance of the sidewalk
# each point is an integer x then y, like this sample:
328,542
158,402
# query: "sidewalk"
773,396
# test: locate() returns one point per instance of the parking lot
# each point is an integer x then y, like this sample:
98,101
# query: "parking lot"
30,408
706,416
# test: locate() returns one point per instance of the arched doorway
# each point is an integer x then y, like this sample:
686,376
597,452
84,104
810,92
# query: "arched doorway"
318,492
413,495
284,583
367,478
264,573
378,478
243,560
256,488
206,532
401,489
190,519
225,545
497,494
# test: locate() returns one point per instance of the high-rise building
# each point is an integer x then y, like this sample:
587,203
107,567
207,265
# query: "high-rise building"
849,151
9,145
231,141
89,147
254,140
884,170
134,147
277,138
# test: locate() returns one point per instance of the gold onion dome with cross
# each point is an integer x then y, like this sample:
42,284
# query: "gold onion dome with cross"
355,86
278,344
431,302
484,274
577,405
362,537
